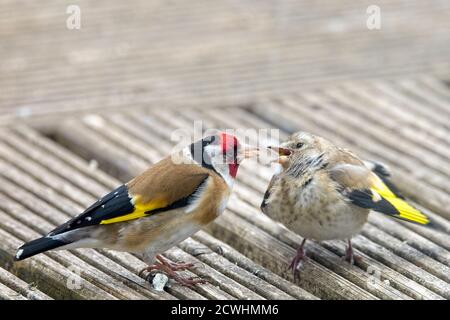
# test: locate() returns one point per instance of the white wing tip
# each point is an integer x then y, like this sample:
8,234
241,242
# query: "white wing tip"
19,254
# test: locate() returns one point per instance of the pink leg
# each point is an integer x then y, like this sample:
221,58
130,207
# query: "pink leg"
173,265
299,257
169,268
350,255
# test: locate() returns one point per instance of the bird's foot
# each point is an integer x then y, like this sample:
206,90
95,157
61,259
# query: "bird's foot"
296,264
170,269
350,256
297,261
175,266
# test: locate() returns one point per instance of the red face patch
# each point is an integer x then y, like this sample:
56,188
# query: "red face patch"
230,144
233,168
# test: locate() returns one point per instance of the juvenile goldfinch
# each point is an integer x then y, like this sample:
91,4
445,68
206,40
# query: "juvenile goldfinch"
158,209
324,192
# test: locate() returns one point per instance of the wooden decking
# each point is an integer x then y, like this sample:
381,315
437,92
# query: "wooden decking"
223,52
83,111
48,184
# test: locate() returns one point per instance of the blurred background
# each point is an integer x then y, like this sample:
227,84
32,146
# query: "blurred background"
92,91
208,52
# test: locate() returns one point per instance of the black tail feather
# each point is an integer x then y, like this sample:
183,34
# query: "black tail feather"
37,246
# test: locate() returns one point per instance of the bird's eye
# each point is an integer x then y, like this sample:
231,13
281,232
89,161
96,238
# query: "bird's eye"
299,145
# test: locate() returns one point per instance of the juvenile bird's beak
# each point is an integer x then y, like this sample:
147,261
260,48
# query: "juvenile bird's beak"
283,154
281,151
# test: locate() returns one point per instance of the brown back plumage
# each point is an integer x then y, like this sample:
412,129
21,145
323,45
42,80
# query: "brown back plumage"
167,181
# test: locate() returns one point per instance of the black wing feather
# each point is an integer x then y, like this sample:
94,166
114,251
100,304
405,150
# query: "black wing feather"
114,204
384,175
263,203
363,199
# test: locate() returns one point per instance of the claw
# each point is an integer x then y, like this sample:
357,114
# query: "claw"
350,256
297,261
170,268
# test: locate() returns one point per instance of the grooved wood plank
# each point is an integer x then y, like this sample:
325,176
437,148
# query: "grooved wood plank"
421,270
207,52
52,184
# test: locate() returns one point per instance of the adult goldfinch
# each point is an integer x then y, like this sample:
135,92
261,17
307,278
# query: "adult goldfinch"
158,209
324,192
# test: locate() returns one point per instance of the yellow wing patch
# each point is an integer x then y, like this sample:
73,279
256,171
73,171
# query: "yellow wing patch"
140,210
406,211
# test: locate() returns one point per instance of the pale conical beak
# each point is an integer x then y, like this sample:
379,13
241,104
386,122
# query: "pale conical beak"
281,151
247,152
283,154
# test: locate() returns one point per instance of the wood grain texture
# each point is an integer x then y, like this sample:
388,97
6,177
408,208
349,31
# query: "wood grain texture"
31,188
205,53
421,255
109,96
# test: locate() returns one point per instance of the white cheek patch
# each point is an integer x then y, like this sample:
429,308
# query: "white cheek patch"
224,171
228,179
